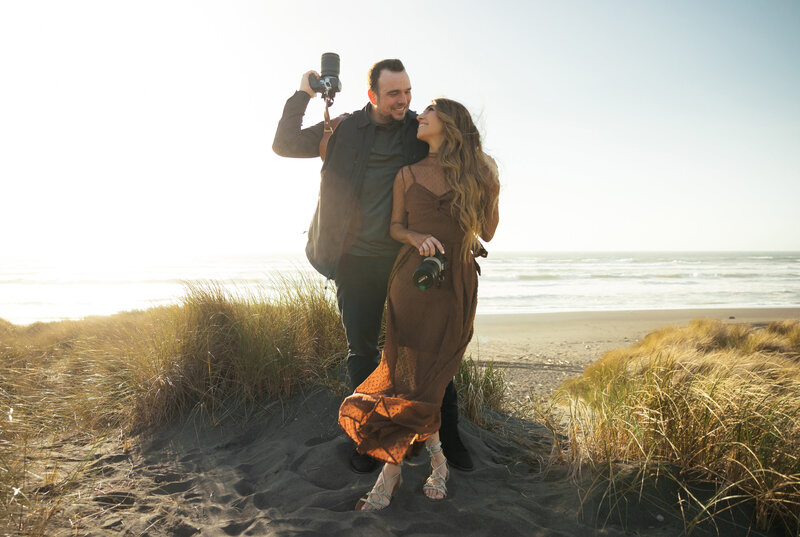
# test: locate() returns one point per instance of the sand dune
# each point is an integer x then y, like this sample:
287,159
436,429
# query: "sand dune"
283,469
284,472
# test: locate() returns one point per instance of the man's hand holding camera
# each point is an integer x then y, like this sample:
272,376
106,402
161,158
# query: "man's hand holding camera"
305,83
327,83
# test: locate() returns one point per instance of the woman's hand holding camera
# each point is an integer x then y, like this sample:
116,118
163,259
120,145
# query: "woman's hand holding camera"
426,244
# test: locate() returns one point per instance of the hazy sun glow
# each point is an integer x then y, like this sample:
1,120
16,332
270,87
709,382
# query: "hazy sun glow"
144,129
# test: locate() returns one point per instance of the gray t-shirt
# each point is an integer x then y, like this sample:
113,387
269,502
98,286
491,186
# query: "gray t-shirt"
385,160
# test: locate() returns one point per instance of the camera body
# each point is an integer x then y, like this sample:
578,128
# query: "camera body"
431,271
328,83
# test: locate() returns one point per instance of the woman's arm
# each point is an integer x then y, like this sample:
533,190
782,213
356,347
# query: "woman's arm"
398,228
492,216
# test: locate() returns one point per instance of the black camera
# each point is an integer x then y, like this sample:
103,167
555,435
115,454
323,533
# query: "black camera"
328,83
430,271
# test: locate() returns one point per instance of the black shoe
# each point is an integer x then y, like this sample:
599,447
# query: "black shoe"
362,464
454,449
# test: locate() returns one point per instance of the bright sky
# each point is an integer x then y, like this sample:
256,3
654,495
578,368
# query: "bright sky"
619,125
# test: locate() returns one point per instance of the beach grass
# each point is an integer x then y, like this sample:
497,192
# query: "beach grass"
480,388
214,352
133,371
712,408
709,406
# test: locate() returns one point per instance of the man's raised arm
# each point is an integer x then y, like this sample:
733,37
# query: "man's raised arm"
291,140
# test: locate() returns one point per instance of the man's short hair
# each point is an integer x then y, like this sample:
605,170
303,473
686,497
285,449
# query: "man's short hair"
375,72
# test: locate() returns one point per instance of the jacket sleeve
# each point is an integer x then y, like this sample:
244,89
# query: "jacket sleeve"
291,140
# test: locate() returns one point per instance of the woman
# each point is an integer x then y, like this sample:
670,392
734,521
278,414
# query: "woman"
443,203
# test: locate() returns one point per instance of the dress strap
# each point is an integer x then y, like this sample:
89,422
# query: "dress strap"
406,186
414,177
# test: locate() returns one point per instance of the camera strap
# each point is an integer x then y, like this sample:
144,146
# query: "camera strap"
329,125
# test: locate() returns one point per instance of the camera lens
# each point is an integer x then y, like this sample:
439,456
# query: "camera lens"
330,64
430,271
424,277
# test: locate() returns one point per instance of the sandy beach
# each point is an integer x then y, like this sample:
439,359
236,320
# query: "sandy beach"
283,471
539,350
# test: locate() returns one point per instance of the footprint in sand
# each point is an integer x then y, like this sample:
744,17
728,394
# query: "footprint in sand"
244,487
113,459
174,487
182,529
237,528
116,500
193,497
108,465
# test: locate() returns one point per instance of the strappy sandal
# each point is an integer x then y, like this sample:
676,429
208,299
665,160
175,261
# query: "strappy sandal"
437,481
378,498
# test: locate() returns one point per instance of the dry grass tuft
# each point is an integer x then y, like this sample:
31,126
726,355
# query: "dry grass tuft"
140,369
480,388
218,349
719,402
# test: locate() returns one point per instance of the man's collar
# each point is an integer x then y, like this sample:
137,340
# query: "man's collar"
364,120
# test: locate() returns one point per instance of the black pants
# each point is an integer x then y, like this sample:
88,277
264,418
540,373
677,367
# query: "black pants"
361,285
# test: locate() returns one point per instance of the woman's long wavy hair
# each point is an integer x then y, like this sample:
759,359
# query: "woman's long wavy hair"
468,171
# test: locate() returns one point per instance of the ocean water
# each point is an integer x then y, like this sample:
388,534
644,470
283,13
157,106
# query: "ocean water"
511,282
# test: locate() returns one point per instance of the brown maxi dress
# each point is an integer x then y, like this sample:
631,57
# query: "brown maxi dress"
427,331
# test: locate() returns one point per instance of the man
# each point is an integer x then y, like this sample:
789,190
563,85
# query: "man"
348,240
